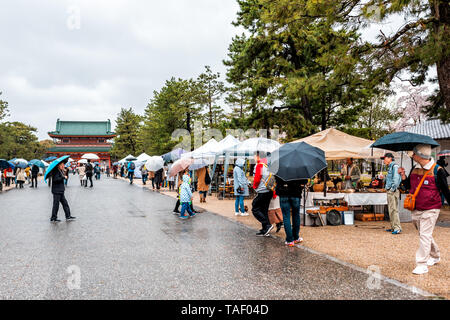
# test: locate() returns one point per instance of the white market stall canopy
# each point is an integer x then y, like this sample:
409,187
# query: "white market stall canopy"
250,146
208,150
228,142
143,157
338,145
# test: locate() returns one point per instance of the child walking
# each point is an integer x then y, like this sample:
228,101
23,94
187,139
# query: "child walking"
186,198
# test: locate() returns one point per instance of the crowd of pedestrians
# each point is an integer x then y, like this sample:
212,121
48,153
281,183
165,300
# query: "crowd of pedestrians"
276,203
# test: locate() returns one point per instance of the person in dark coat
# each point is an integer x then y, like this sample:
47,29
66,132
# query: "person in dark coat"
89,172
158,178
34,176
58,189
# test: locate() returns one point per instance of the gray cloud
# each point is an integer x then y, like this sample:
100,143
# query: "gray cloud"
122,52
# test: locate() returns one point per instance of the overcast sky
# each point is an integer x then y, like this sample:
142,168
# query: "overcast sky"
85,59
56,64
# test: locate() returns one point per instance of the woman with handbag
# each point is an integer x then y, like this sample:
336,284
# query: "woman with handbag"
240,187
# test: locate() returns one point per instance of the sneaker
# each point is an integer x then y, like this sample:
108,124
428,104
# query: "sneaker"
55,220
245,214
267,232
432,261
420,269
70,218
279,225
299,240
193,214
389,230
183,217
237,213
397,232
260,233
176,212
290,244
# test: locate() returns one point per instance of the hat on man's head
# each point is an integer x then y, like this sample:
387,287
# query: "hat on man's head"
422,150
388,155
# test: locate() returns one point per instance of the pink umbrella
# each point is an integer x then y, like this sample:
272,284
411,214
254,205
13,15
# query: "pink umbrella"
180,165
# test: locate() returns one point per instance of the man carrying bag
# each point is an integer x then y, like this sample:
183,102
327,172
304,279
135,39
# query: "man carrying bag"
426,184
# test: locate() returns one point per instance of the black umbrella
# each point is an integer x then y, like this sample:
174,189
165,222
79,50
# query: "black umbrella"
296,161
403,141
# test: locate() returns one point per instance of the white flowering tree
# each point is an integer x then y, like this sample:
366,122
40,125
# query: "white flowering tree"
411,106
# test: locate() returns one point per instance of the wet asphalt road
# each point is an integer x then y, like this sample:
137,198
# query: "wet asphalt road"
127,244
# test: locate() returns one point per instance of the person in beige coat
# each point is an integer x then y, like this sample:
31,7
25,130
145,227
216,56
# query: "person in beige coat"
82,174
20,174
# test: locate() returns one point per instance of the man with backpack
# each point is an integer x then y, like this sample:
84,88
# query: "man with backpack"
89,172
260,205
392,183
426,184
131,167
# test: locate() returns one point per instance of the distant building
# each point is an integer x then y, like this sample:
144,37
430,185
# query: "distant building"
75,138
434,129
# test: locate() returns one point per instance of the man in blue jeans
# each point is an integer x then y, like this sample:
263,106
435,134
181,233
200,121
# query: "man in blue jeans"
290,193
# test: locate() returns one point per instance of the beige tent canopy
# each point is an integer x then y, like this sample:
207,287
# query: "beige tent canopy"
339,145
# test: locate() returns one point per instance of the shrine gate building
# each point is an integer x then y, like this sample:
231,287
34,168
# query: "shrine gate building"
75,138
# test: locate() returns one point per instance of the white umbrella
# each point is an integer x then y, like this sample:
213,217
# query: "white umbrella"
70,160
90,156
82,161
154,163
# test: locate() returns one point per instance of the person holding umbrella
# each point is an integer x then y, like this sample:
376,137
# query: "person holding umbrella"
20,177
293,164
57,173
427,182
34,175
89,172
392,183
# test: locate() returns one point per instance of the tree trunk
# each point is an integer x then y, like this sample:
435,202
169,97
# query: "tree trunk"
441,11
188,121
324,117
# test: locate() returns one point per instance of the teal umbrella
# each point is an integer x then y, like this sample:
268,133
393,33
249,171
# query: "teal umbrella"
36,162
54,164
403,141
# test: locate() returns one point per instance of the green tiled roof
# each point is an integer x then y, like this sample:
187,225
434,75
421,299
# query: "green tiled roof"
82,128
79,149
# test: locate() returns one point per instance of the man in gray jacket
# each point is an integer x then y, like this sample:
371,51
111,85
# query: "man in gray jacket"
393,180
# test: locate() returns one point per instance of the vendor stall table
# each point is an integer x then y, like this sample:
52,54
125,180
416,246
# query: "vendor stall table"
353,199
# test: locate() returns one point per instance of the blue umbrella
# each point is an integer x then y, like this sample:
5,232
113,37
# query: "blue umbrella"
12,164
21,163
5,164
403,141
54,164
37,162
297,161
50,158
173,155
